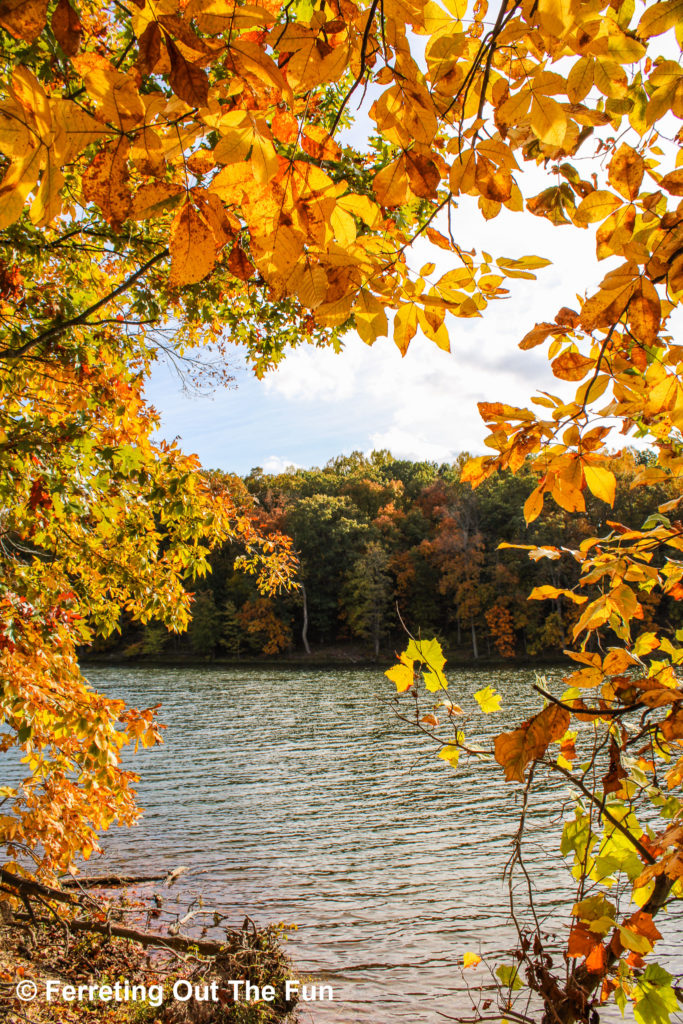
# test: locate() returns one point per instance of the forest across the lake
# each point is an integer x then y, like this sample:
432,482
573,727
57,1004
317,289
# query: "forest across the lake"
386,544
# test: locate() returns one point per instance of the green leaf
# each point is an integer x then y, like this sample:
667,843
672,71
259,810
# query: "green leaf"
509,977
655,999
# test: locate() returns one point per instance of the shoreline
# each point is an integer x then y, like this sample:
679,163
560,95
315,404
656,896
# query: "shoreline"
326,658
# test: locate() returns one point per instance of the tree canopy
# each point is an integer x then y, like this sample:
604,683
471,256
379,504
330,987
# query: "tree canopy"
177,176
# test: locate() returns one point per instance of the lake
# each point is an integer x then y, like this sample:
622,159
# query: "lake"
297,796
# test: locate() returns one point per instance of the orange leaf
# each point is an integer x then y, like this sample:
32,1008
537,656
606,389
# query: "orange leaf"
105,181
537,335
596,962
582,941
192,247
438,239
572,366
515,750
493,183
673,182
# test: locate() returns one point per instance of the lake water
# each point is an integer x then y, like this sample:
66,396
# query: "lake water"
297,796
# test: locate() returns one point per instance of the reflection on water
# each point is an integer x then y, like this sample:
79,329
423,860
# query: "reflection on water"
297,796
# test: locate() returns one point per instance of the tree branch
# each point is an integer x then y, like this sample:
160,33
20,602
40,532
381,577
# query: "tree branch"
82,318
600,804
608,712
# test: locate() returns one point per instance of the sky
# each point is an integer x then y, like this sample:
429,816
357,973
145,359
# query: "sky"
317,404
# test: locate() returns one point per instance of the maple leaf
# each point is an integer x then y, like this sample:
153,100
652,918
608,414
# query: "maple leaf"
515,750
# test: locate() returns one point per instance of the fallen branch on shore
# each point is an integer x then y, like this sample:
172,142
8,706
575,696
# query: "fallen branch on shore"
178,943
47,933
108,881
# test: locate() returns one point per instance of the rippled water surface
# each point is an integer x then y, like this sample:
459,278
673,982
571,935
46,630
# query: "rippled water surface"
298,796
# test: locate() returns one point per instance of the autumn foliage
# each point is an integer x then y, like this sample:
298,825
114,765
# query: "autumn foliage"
179,175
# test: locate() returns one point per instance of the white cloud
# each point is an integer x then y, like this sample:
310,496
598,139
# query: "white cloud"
425,405
278,464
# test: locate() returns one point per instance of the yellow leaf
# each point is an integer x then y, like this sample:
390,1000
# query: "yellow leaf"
626,171
48,203
660,18
548,120
471,959
451,754
361,206
601,482
580,80
533,506
402,674
596,206
391,183
546,592
311,286
405,326
488,700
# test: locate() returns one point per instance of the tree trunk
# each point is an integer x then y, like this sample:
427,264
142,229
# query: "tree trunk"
304,630
475,650
375,634
459,631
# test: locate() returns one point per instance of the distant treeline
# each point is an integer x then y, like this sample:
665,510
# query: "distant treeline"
384,542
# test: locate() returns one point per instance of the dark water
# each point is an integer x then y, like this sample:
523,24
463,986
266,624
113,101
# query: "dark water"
299,797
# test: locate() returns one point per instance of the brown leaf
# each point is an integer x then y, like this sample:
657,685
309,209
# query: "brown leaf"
67,28
149,49
105,182
222,222
611,782
423,175
240,265
192,246
626,171
494,183
572,366
188,81
567,317
23,19
673,182
515,750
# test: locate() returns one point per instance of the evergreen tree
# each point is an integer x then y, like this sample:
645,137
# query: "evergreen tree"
204,628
